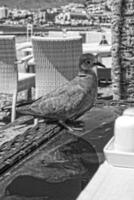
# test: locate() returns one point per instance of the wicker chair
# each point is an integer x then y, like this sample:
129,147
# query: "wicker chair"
12,82
56,61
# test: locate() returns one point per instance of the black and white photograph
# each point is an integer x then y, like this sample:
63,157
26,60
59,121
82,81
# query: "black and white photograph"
66,99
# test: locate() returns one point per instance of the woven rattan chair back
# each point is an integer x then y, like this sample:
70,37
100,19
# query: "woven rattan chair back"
56,61
8,68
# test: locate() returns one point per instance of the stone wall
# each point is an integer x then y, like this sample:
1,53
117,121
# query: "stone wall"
123,49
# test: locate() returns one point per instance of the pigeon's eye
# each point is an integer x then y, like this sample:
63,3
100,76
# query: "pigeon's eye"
88,61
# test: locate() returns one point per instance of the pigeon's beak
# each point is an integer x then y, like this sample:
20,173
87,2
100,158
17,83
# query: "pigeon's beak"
97,61
99,64
96,65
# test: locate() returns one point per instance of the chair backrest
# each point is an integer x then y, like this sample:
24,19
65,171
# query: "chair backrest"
8,68
56,61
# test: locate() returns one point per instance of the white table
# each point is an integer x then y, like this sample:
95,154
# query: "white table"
110,183
102,50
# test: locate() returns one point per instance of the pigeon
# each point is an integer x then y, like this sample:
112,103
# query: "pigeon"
67,103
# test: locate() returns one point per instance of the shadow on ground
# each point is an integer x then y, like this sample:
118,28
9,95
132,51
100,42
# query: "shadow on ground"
60,174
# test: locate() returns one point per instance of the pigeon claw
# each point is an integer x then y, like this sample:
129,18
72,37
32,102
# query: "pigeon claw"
72,126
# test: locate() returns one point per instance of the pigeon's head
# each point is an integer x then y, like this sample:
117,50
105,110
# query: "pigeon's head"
89,62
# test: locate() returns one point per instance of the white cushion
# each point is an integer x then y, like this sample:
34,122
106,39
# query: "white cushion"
25,81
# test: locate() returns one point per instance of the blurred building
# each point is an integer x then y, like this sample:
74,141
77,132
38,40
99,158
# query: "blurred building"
3,12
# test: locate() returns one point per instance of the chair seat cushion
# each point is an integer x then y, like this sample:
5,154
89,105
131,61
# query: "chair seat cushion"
26,81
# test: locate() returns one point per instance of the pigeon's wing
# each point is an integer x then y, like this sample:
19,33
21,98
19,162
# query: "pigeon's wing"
32,108
62,104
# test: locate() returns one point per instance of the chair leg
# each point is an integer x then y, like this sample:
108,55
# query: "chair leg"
13,114
36,121
29,94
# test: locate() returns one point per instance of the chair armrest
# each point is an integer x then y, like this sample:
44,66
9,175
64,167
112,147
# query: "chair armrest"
24,59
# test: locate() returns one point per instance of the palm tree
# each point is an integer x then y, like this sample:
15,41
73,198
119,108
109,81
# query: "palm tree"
123,49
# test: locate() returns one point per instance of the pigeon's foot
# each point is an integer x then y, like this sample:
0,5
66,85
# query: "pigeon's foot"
65,125
76,123
72,126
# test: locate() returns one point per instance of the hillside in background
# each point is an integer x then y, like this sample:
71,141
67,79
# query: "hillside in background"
29,4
